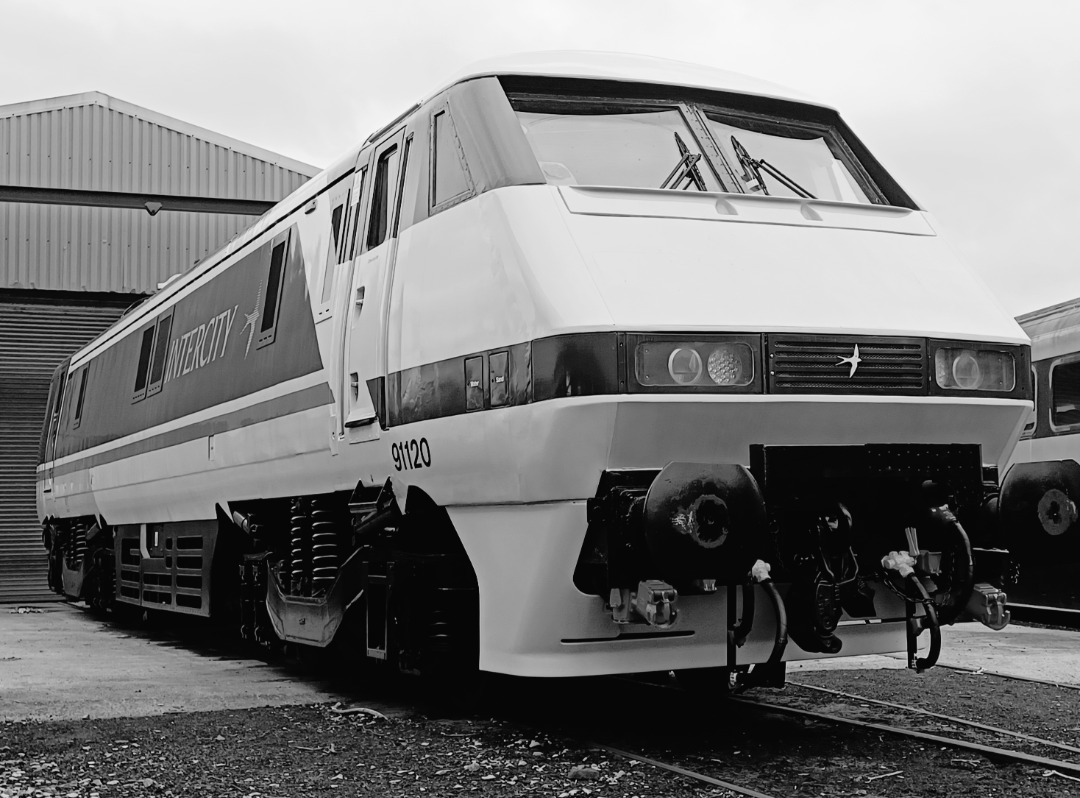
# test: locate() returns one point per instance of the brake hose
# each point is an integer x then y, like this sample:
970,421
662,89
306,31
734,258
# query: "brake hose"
780,641
760,574
928,621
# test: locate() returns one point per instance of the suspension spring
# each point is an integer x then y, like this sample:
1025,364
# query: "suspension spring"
325,552
299,548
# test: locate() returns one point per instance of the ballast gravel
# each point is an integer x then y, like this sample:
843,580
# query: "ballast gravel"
307,751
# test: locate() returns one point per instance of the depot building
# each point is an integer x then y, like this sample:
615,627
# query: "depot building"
101,201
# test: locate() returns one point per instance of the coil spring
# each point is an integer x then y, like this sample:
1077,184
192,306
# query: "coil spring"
299,547
325,557
76,552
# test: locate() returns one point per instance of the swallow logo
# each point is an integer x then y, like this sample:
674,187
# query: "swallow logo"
854,360
251,318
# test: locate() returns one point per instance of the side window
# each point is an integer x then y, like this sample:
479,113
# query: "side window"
275,282
161,354
1065,393
56,405
335,251
45,444
80,397
146,348
449,180
381,198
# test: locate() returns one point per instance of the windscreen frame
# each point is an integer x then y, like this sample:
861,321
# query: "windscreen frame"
886,190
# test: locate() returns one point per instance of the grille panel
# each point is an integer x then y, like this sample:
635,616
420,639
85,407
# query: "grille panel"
822,364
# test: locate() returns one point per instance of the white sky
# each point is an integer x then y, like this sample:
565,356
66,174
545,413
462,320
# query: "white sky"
971,104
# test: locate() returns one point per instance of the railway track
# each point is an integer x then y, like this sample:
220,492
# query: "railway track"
922,729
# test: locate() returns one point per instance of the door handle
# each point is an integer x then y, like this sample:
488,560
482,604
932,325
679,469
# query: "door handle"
359,299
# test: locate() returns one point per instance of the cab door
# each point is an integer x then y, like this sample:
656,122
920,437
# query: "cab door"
364,352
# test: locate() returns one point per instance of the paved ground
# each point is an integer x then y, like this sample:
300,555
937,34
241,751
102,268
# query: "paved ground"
57,661
1049,654
60,662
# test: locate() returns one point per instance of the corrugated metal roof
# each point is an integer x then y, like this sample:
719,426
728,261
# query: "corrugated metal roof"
96,142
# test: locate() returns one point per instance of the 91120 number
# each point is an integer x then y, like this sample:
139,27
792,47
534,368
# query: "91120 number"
411,454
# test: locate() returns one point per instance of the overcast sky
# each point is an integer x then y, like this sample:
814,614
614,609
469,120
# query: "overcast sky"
972,104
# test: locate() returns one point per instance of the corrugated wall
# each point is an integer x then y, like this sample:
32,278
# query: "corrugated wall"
96,143
94,147
34,338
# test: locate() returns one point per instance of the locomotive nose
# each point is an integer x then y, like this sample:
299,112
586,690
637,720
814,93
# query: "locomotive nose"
701,521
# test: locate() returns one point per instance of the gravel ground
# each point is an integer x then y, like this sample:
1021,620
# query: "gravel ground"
531,739
310,750
535,745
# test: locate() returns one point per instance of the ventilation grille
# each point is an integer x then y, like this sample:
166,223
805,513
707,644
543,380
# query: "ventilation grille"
176,580
823,364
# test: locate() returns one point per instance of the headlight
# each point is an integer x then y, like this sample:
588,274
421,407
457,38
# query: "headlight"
974,369
694,364
684,365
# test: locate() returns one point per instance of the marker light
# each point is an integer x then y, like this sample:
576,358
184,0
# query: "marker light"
701,365
974,370
726,364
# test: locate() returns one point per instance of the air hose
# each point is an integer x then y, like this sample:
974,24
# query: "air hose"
916,625
760,574
902,564
962,576
769,672
781,638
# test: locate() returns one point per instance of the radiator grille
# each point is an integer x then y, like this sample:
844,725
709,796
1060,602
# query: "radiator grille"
823,364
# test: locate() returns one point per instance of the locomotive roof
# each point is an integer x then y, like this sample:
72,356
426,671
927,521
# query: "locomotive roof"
591,65
1053,330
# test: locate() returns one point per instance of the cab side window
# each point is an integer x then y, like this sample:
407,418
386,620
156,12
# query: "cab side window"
450,181
385,174
52,416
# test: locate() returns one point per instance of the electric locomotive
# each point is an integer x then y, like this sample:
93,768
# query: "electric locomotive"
584,364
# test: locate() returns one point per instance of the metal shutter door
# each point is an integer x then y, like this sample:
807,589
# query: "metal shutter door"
34,338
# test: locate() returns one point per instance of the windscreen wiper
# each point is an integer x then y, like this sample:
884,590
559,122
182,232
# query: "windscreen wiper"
752,172
686,169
